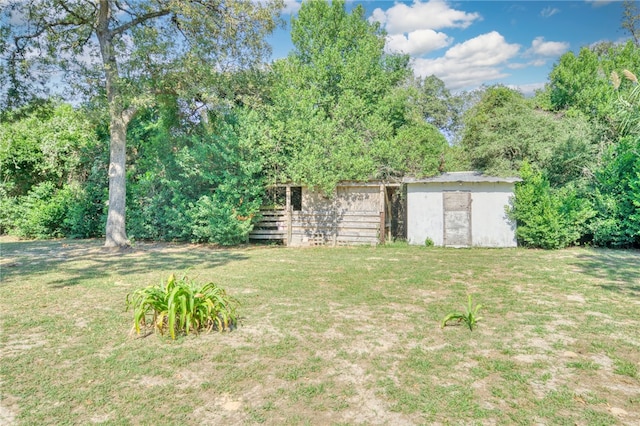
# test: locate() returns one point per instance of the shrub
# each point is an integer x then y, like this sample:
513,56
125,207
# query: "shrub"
40,214
192,183
86,215
219,222
546,218
8,207
182,305
617,196
157,209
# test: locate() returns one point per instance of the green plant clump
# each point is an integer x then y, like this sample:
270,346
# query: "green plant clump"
183,305
470,316
428,242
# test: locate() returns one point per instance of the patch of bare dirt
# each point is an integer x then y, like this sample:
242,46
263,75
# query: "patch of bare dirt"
8,409
16,345
73,249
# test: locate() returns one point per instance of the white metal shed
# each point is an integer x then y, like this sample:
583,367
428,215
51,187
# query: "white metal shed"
460,209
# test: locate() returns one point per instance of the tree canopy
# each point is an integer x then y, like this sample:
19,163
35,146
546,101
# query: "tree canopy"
583,82
338,109
171,100
134,51
504,129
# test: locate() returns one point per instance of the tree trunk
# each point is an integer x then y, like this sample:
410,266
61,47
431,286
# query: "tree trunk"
115,231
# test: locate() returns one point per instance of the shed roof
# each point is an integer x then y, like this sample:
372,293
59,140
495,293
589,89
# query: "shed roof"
462,177
348,183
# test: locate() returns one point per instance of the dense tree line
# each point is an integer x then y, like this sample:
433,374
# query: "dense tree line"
203,142
132,53
576,144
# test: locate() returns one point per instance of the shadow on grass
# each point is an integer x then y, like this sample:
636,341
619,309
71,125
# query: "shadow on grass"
65,263
621,268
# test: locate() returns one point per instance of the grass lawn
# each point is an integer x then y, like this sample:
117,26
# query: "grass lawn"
328,336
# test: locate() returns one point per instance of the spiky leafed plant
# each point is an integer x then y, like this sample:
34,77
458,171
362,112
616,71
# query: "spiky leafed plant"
182,305
628,112
469,317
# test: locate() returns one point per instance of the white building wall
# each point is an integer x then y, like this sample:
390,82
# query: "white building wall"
490,226
425,217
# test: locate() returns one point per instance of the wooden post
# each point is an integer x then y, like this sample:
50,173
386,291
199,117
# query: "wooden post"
388,213
382,215
288,215
334,217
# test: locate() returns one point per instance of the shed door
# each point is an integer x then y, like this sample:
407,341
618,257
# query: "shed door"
457,219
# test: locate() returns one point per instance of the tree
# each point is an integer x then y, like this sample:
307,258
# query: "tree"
504,129
47,153
339,103
631,20
627,113
583,83
616,196
616,188
547,218
49,142
436,103
134,51
200,182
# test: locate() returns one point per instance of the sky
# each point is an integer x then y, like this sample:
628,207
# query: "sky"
468,44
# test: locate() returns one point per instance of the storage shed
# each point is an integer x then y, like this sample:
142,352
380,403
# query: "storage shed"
356,213
460,209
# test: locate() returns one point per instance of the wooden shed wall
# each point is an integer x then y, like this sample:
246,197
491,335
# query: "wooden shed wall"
352,216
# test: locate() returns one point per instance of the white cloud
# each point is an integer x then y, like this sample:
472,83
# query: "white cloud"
598,3
485,50
417,42
549,11
618,41
379,15
433,14
470,64
527,89
455,75
290,7
538,62
540,47
420,27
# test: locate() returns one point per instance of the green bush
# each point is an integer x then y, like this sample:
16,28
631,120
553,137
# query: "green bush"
204,185
41,213
86,214
617,196
546,218
218,222
48,157
8,208
157,209
183,305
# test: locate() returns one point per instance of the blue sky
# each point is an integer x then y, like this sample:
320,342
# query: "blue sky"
470,43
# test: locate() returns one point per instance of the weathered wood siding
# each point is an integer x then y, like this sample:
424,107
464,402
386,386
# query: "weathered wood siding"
271,227
352,216
329,228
